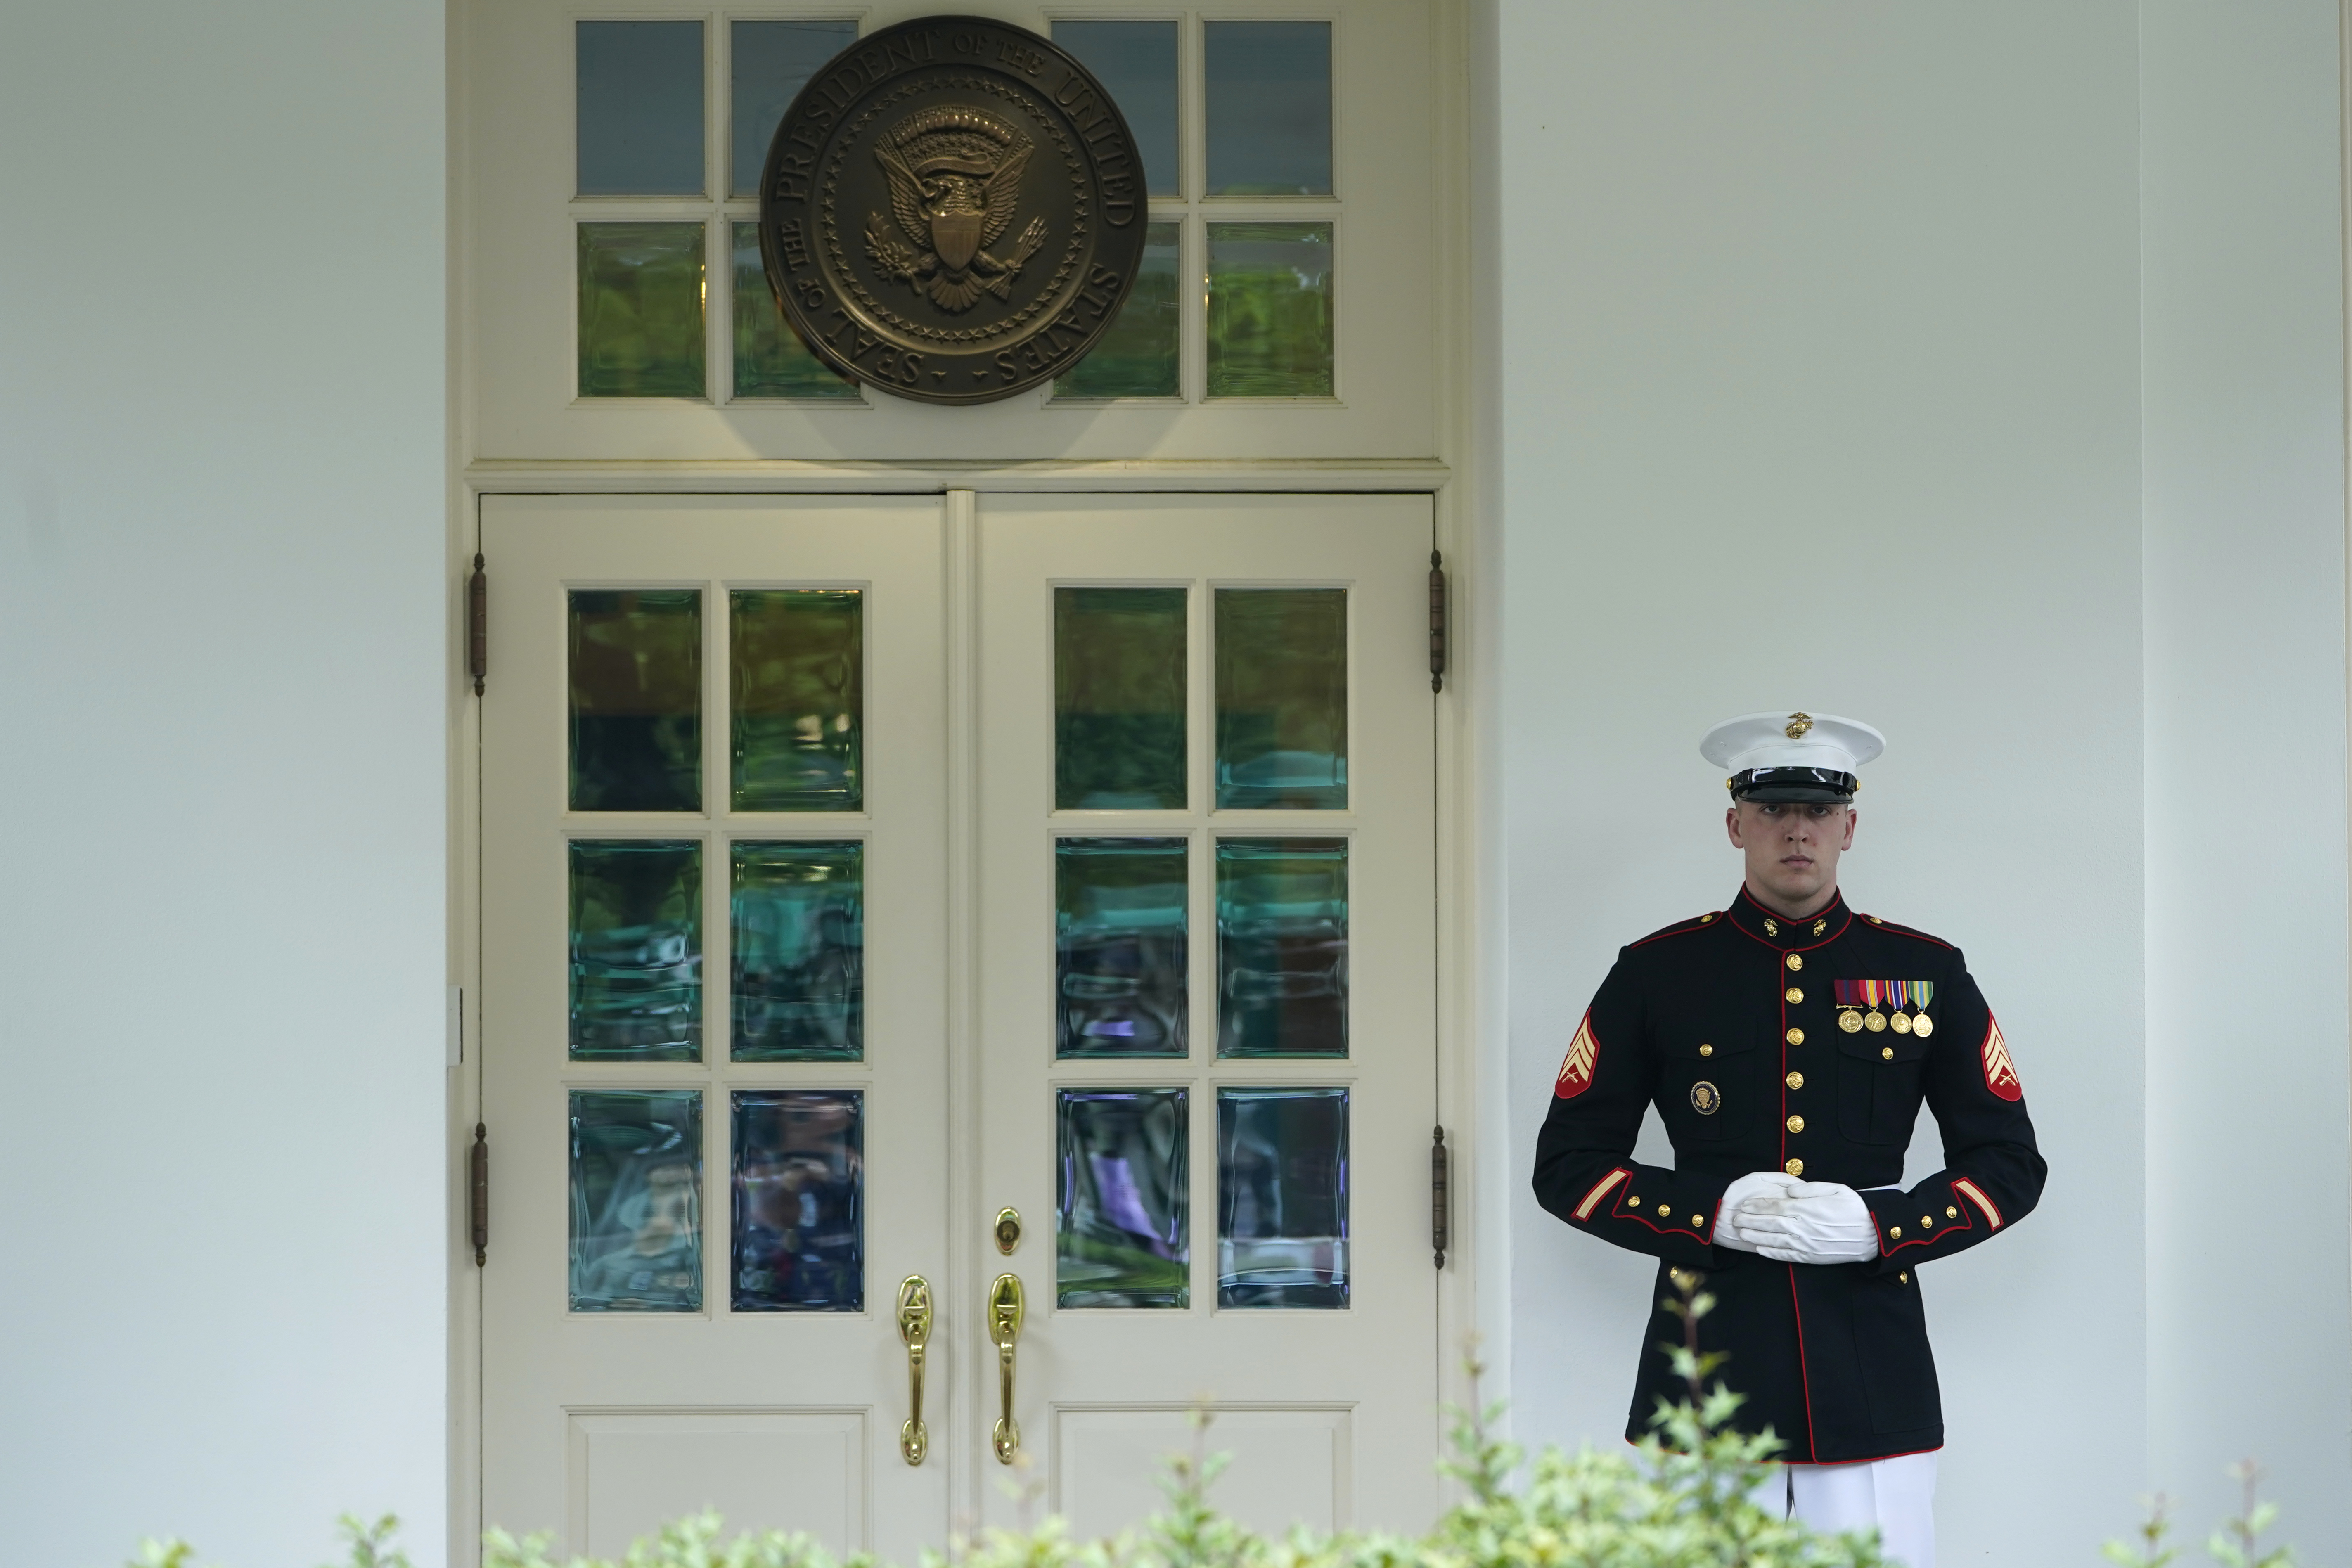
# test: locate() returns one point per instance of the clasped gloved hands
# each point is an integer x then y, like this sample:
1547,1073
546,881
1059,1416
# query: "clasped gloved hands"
1789,1221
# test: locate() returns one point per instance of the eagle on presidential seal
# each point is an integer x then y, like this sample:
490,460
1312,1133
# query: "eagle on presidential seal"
955,179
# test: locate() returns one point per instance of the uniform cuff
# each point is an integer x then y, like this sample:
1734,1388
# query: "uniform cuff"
1680,1210
1918,1224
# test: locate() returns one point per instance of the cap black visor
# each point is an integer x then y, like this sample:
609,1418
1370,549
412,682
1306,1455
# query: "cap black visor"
1799,786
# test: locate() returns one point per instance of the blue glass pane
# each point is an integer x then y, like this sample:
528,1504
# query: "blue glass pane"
1119,699
1136,62
799,952
1119,950
1269,108
637,951
1282,699
637,1201
1123,1218
636,679
1282,947
800,1211
640,108
769,63
1282,1197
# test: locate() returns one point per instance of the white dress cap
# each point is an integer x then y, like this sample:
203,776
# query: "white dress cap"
1797,740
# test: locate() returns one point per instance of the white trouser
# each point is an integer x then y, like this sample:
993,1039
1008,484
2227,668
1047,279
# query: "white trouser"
1895,1496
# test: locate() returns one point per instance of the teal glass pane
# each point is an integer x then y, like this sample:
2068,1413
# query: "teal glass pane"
1119,699
1136,63
639,107
637,1201
1270,331
1119,947
1137,357
1269,108
1282,1197
1282,699
797,725
1282,947
799,952
636,679
1124,1215
637,951
770,359
798,1201
768,64
641,310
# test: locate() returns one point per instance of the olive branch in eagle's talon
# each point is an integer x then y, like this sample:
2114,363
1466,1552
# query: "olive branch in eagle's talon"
895,261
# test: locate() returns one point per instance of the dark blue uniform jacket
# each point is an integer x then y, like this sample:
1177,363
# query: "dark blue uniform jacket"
1731,1026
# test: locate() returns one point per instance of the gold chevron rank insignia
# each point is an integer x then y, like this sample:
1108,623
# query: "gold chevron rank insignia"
2000,1072
1576,1067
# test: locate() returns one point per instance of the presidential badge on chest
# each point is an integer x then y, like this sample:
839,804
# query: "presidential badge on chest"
1906,1001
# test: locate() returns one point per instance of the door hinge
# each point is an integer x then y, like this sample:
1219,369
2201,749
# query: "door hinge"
1437,621
479,1186
477,625
1440,1231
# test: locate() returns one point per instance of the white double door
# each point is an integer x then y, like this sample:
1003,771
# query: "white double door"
865,880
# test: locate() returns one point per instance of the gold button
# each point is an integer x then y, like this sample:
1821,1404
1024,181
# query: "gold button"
1886,1051
1926,1222
1635,1202
1666,1208
1796,1036
1951,1213
1707,1050
1795,1124
1904,1277
1699,1220
1796,961
1795,1167
1793,994
1897,1232
1704,918
1874,920
1796,1080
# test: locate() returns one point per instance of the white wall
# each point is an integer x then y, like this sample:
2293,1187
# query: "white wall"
221,775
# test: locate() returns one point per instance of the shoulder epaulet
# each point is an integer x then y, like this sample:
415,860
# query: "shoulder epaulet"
1681,928
1876,923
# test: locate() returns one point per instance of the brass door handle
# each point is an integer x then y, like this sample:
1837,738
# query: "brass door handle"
1005,1311
915,1329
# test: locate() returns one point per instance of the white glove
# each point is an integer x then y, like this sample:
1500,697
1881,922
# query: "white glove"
1813,1222
1756,1184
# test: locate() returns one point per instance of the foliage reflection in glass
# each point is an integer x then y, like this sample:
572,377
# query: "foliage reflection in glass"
768,64
1138,356
770,359
637,1201
1119,699
799,952
1270,332
635,678
1136,63
641,304
798,1201
797,658
1282,699
1270,95
1123,1216
1282,1197
637,951
1119,947
1282,947
639,106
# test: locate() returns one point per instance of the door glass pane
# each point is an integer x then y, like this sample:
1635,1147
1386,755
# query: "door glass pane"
799,940
1136,62
1123,1219
1137,357
636,699
768,64
770,361
1270,331
636,1203
798,658
1282,947
1119,952
641,305
1282,1197
1119,699
800,1216
1269,108
1282,699
637,951
640,108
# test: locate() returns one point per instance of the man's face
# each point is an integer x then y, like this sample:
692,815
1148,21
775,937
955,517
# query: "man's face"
1793,850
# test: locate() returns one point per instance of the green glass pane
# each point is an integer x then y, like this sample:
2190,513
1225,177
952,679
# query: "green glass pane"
1137,356
637,1201
799,949
1123,1217
797,658
770,361
1282,947
636,680
1119,699
768,64
1269,98
641,310
1270,309
637,951
800,1208
1119,947
1282,1197
639,103
1282,699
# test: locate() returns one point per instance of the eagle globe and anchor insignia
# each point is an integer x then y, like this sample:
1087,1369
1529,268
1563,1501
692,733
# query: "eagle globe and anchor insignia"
952,210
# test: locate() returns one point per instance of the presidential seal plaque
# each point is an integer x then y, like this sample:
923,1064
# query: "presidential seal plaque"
952,210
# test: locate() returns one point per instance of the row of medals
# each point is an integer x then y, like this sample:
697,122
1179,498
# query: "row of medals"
1854,1020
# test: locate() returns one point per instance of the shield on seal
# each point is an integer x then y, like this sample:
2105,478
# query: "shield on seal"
956,236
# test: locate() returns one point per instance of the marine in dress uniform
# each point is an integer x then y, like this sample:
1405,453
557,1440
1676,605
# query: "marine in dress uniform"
1788,1059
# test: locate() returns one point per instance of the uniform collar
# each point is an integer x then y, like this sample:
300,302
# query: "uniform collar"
1826,924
